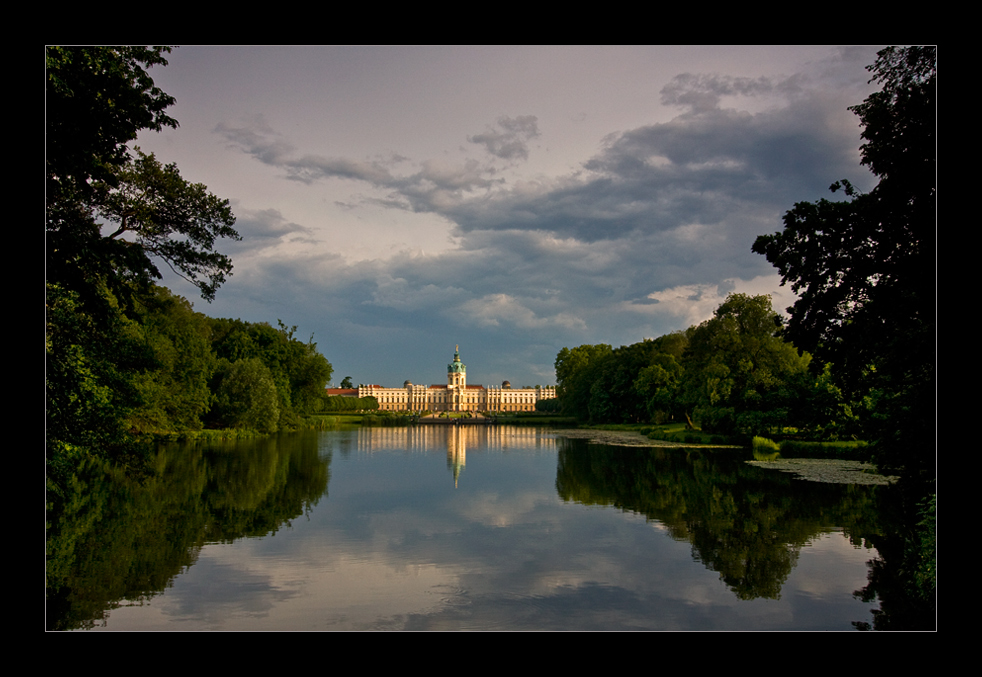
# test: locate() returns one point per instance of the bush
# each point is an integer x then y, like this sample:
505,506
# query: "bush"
764,445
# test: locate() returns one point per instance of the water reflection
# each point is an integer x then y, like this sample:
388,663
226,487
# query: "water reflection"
117,540
747,525
456,439
516,529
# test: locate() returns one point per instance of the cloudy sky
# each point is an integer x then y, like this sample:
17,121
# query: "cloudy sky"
397,201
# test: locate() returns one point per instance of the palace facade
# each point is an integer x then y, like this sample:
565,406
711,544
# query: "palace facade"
456,395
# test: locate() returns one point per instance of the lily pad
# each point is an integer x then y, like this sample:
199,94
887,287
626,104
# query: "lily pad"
833,471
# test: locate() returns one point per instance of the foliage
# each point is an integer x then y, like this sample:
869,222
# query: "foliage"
613,396
739,371
175,392
104,371
734,374
170,219
575,375
926,577
764,445
338,403
90,389
863,267
97,100
298,371
247,397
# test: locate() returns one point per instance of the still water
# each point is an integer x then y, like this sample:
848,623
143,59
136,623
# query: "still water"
461,528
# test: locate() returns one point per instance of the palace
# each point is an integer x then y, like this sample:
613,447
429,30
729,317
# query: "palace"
456,395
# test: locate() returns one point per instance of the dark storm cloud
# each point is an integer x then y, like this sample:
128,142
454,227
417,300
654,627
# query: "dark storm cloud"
709,166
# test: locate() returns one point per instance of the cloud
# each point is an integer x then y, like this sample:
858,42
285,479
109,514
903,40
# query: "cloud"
509,140
257,139
712,166
703,92
646,236
493,310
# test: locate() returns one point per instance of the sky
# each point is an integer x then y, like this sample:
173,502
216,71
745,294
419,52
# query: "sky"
396,202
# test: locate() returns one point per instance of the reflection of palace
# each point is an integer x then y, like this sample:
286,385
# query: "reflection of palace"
455,396
454,440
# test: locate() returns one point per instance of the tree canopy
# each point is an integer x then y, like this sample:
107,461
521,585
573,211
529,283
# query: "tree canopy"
97,101
733,374
865,268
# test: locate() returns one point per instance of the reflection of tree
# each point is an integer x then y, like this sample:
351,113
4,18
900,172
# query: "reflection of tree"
907,601
118,540
745,523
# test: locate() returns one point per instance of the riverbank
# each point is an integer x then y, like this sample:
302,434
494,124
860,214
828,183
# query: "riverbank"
629,438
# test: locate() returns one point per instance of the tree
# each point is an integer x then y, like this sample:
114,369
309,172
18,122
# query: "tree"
168,218
175,392
298,371
613,397
864,268
90,388
97,100
346,382
575,375
738,368
657,386
247,397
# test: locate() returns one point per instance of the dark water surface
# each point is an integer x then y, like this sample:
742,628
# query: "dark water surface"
469,528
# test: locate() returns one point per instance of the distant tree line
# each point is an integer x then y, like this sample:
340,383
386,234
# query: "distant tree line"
337,403
733,374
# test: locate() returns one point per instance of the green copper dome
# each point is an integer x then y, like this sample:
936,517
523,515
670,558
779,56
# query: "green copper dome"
456,367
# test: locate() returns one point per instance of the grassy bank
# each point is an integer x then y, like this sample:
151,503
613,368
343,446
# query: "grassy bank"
534,418
852,450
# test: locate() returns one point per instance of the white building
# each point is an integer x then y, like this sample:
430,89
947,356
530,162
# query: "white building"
456,395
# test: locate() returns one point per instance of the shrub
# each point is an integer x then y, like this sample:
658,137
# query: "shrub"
764,445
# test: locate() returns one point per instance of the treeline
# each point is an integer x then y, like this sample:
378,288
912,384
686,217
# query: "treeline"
336,403
162,367
123,356
733,375
222,373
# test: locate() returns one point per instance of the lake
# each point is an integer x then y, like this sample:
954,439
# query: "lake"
462,528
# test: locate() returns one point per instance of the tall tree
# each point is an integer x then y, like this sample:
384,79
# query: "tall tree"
97,100
575,373
738,368
864,268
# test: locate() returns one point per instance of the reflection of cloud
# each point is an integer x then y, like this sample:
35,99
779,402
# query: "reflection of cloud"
218,593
